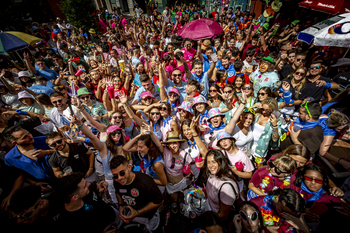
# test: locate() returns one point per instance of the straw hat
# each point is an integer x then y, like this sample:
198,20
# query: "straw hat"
173,136
205,44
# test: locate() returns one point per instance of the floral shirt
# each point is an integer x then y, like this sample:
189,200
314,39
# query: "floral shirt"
97,109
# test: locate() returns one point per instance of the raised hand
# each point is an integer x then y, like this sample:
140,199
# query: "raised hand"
224,96
193,124
26,56
122,97
285,86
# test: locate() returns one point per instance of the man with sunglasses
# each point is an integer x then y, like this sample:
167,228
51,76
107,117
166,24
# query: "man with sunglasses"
70,155
33,212
138,192
299,61
93,107
61,115
316,84
311,134
40,68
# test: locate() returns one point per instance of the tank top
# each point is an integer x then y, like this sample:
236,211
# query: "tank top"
128,130
147,166
105,162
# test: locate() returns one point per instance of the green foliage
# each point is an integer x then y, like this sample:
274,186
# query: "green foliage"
79,12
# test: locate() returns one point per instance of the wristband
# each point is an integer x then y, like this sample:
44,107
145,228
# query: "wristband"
328,85
20,112
79,126
87,140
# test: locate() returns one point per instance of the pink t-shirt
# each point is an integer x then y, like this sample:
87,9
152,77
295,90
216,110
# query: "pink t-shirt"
124,22
227,195
240,156
179,162
189,54
210,138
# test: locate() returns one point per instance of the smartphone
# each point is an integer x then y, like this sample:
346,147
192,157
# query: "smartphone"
318,208
277,114
86,80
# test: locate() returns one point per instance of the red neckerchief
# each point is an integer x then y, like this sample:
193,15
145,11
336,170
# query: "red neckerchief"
197,94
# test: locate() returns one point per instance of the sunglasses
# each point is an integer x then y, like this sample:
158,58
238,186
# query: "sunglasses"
249,55
40,64
262,94
60,87
303,60
318,181
213,90
265,110
249,110
315,67
58,142
228,92
173,94
172,163
121,174
188,44
117,117
115,132
147,98
176,75
253,216
85,97
117,81
277,170
163,109
247,88
157,113
170,48
299,73
304,105
58,101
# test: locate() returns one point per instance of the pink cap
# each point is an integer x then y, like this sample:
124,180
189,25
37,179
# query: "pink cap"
174,90
113,128
146,94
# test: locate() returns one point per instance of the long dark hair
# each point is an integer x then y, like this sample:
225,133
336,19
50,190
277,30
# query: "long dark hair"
188,123
112,146
217,88
290,198
153,149
44,100
224,170
300,175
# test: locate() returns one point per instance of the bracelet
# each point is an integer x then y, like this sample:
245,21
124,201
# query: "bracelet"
87,140
195,135
79,126
138,212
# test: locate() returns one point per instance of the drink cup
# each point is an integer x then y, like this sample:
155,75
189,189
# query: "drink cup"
186,170
239,166
79,72
310,99
198,159
68,170
297,127
126,211
122,64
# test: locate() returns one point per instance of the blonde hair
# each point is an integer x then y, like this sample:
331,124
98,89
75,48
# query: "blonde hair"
302,83
285,163
337,119
271,102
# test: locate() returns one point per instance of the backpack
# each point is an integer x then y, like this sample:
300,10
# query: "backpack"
234,190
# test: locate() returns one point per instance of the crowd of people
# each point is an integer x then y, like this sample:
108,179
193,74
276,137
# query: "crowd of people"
127,126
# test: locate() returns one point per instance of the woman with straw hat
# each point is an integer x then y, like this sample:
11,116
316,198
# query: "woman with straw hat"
177,168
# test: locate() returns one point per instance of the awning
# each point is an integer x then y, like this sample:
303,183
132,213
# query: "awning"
327,6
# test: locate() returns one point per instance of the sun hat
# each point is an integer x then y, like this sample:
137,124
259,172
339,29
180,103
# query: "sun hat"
174,90
24,94
92,31
223,135
205,44
83,91
173,136
68,26
214,112
23,74
146,94
269,59
342,62
295,22
199,99
187,106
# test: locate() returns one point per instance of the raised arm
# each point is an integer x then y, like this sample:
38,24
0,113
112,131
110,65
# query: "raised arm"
162,83
149,128
211,69
199,50
29,64
123,99
130,145
203,150
231,126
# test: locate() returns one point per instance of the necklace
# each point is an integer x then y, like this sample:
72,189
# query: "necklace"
132,179
266,181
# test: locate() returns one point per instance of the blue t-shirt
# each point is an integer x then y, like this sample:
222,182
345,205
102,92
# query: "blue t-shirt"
230,70
326,130
137,81
40,168
203,80
38,89
48,73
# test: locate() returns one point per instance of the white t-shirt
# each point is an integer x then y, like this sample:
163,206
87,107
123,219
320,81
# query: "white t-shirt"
56,117
243,142
138,12
249,65
227,195
11,100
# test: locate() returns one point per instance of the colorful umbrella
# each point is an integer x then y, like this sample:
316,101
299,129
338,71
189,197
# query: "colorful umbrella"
11,41
334,31
200,29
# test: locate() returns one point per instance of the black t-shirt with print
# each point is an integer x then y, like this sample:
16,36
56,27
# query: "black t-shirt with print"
94,216
139,193
292,89
343,79
313,90
77,159
286,71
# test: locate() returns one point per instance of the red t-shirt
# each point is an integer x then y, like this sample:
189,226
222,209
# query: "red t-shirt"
214,13
257,50
232,79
